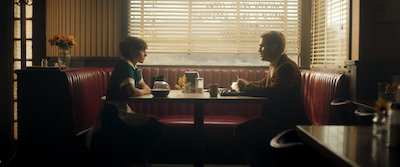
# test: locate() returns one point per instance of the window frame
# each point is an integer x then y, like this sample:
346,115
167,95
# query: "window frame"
21,62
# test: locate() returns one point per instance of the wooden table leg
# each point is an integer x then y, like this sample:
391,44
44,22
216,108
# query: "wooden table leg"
198,135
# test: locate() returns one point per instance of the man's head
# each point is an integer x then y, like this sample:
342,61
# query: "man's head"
272,45
134,49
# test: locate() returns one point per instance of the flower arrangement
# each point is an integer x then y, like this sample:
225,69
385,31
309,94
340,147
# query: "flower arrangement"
63,41
390,91
379,127
382,106
181,82
391,88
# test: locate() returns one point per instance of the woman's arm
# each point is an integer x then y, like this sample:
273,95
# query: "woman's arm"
132,91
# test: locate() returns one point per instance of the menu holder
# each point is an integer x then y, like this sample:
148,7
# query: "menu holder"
191,77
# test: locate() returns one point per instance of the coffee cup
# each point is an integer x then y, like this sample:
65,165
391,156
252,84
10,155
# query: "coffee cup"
213,89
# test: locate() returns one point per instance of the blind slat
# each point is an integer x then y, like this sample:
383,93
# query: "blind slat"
191,23
329,33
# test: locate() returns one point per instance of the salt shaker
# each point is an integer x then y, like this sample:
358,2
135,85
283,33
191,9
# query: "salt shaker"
199,85
42,63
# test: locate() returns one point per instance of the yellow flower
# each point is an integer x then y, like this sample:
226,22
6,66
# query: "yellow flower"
52,42
182,80
63,41
57,38
178,87
382,105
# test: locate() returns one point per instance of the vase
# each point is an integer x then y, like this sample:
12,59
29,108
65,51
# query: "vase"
390,96
379,125
64,57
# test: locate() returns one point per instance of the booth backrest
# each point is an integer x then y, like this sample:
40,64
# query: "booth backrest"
86,86
319,89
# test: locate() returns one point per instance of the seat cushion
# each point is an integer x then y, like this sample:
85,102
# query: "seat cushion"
151,116
215,126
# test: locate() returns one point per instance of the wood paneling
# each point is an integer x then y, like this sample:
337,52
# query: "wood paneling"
96,25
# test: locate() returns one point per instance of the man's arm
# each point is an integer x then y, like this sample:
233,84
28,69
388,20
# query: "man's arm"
242,83
281,82
260,82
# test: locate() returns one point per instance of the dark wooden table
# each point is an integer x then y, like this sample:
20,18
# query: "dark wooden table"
349,145
176,96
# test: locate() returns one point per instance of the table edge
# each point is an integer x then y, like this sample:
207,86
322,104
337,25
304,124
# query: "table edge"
326,152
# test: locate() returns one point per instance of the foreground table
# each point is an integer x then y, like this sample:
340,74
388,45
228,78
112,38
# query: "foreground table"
176,96
349,145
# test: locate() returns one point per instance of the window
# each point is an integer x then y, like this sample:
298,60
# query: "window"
192,32
23,14
330,31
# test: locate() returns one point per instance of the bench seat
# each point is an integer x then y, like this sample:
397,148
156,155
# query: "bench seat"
75,100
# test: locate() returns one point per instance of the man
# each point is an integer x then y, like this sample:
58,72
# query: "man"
284,109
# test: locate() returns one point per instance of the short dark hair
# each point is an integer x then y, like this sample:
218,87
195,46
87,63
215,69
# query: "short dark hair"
275,37
132,42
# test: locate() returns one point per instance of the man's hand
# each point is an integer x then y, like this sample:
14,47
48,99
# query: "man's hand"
242,83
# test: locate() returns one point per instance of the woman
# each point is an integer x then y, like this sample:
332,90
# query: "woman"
126,81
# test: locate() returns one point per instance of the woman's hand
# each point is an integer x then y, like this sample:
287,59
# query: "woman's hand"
146,89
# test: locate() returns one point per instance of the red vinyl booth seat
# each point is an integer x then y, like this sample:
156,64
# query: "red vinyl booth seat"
86,86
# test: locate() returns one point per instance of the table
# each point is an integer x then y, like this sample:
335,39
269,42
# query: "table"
176,96
349,145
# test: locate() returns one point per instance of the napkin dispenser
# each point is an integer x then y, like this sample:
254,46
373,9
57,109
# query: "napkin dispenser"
191,77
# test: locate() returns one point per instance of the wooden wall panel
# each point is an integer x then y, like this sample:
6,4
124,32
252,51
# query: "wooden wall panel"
96,24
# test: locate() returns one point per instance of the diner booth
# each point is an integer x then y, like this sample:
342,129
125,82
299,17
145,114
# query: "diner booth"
58,101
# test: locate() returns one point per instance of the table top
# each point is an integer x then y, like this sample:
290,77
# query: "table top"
176,96
349,145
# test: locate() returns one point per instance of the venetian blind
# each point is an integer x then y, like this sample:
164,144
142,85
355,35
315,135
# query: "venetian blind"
213,27
330,32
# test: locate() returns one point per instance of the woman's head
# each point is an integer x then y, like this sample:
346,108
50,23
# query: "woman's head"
135,43
133,48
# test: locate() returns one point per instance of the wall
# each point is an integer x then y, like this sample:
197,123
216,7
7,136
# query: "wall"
378,52
96,24
379,34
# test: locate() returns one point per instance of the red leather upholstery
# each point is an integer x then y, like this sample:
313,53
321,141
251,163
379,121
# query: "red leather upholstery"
215,126
319,89
86,86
